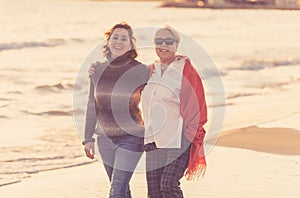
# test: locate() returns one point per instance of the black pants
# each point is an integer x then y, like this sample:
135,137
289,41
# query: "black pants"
165,167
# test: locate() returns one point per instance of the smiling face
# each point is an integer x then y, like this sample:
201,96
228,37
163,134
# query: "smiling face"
119,42
165,45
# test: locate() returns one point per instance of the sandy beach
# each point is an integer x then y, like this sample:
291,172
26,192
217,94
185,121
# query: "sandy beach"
43,45
233,172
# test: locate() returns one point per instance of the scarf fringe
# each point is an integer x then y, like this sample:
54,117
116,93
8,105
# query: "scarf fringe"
196,172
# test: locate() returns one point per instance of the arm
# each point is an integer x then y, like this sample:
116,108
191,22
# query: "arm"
90,115
90,123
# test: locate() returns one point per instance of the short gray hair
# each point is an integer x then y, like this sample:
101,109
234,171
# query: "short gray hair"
171,30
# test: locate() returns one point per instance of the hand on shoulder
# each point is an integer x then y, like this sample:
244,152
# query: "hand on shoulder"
91,70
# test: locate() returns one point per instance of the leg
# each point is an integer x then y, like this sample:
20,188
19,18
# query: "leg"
127,155
109,171
107,152
155,162
173,172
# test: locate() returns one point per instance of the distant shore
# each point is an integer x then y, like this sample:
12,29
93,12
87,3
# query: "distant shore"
125,0
229,6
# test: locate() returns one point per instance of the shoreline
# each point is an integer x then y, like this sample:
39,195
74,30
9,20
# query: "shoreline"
90,180
274,140
30,173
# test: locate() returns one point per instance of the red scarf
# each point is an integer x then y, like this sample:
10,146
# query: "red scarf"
197,162
194,113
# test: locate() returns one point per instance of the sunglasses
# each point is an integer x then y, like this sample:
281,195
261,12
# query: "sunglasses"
168,41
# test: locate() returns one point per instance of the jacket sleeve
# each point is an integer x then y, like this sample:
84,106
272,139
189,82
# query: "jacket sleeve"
192,104
90,116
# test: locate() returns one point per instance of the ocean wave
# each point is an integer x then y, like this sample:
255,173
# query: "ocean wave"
211,73
14,92
24,167
79,111
272,85
31,44
34,159
219,105
5,105
78,40
12,69
240,95
50,112
3,117
55,88
255,65
5,99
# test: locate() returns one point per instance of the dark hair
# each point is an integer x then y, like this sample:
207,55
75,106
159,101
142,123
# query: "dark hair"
106,51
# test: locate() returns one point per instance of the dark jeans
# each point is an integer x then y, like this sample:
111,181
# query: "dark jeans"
120,156
165,167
